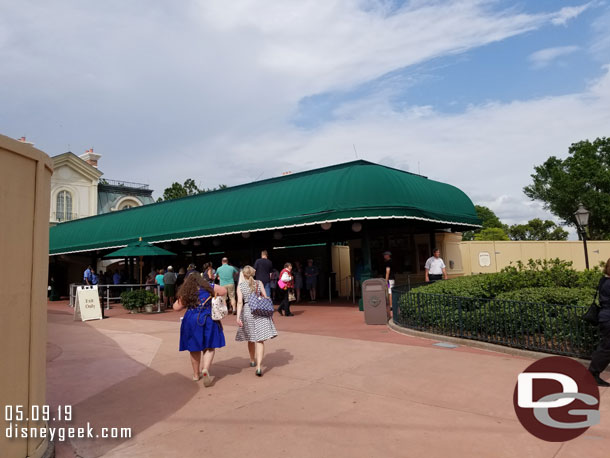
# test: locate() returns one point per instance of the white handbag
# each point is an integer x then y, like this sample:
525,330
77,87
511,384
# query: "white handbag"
219,308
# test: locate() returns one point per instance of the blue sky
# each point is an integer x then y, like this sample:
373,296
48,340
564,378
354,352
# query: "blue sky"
471,92
497,72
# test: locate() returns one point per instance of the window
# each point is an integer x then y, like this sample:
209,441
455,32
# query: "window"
63,211
129,202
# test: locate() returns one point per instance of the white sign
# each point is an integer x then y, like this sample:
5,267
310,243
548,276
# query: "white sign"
484,259
87,305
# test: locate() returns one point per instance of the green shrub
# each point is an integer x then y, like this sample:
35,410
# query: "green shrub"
138,298
551,295
534,305
535,274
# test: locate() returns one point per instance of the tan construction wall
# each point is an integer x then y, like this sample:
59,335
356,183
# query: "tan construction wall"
25,178
476,255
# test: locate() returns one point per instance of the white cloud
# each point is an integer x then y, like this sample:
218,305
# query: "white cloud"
489,151
600,47
544,57
569,12
207,89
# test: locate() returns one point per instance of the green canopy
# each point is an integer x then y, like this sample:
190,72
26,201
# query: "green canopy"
139,248
357,190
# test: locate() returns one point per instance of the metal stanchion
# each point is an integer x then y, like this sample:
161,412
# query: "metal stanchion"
329,291
354,290
72,288
107,297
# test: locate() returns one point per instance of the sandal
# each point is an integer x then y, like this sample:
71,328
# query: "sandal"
197,378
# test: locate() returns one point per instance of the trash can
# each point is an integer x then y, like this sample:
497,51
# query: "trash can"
374,298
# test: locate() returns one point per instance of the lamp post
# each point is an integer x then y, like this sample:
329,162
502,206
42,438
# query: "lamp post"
582,219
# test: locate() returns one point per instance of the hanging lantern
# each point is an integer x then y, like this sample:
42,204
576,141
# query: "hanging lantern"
277,235
326,226
216,242
357,227
245,235
184,242
197,242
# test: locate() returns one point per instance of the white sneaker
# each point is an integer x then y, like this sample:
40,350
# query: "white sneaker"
207,379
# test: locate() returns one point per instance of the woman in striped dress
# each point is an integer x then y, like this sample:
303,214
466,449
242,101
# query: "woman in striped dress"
253,329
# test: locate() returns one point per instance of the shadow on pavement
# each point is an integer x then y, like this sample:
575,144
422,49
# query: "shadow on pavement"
278,358
116,391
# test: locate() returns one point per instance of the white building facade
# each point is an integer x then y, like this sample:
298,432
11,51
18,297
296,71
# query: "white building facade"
78,191
74,186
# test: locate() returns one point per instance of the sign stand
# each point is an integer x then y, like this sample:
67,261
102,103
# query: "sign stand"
87,306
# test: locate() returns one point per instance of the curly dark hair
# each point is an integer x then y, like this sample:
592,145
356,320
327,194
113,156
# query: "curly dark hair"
189,291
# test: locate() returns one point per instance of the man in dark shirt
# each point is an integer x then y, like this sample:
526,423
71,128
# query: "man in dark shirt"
600,359
263,267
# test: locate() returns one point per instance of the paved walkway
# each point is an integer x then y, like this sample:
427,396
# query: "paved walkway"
333,387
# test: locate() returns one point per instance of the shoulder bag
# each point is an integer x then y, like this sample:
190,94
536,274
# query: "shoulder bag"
219,308
592,314
259,304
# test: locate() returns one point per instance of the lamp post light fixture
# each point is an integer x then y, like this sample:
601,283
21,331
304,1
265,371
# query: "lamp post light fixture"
582,220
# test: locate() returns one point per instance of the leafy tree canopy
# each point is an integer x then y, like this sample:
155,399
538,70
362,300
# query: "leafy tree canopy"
489,219
584,176
491,233
189,188
537,229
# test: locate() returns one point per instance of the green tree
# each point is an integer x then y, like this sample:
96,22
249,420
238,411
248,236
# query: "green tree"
189,188
491,233
584,176
488,219
537,229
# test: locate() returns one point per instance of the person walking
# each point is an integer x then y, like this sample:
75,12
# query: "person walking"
435,267
209,273
263,267
390,278
601,356
159,281
298,280
227,273
169,280
180,278
150,282
253,329
199,333
311,279
285,287
87,275
191,270
275,276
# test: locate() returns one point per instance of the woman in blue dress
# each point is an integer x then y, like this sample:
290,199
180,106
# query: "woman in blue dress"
198,331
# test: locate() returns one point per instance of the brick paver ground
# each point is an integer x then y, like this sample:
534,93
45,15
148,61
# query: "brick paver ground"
333,387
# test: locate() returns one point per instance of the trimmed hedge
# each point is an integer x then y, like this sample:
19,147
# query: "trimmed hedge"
537,305
546,295
535,274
